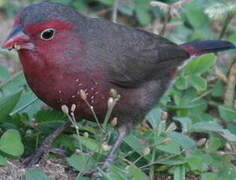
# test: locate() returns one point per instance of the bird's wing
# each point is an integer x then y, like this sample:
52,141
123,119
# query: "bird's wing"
143,57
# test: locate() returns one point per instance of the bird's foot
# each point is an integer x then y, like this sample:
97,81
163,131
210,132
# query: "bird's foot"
45,148
35,158
40,153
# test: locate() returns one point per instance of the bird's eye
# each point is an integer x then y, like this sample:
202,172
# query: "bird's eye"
47,34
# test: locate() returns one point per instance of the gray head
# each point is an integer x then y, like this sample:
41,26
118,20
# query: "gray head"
47,11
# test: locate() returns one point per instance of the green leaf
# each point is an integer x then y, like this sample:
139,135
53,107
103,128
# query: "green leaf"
186,123
232,38
181,83
171,162
4,75
13,85
143,16
200,65
10,143
2,3
49,119
195,15
209,176
135,143
136,173
127,10
172,147
215,128
107,2
115,174
154,117
7,104
218,90
214,143
198,82
82,178
3,161
28,103
91,144
81,162
227,113
179,173
183,140
35,174
198,162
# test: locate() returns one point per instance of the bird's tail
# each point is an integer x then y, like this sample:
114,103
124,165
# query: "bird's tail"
211,46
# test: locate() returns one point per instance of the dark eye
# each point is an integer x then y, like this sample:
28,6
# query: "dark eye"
47,34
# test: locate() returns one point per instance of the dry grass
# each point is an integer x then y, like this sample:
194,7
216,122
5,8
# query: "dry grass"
56,169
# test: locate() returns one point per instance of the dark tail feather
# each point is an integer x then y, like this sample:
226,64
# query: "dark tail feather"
210,46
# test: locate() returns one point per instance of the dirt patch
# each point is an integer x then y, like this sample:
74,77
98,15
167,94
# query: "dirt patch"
56,169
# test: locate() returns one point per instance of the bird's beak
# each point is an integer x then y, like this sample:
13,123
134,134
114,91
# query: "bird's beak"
17,39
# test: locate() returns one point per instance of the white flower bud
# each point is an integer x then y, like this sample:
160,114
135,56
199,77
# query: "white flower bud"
65,109
83,94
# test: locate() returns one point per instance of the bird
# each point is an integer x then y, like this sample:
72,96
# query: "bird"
71,60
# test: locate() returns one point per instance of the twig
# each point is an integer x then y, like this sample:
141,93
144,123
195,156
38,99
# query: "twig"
229,93
70,115
227,153
83,96
202,95
166,21
226,24
220,75
171,11
161,160
111,104
114,11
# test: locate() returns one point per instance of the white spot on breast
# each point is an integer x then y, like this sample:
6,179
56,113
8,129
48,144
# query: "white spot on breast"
73,96
77,80
80,84
59,92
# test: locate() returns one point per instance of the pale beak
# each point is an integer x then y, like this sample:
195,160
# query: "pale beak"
17,39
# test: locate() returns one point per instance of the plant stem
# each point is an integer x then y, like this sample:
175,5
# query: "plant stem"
226,24
114,11
166,20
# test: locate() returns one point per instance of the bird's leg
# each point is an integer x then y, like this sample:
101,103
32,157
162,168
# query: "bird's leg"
45,147
122,132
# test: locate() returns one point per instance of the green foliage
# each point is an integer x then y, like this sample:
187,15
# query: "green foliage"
3,161
35,174
7,104
192,139
10,143
81,162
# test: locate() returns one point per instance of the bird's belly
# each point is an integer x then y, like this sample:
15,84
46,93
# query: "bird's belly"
57,88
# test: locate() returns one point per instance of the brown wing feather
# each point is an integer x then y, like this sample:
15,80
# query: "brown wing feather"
132,56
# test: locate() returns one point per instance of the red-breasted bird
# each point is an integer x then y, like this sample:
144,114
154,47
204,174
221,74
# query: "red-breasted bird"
64,54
